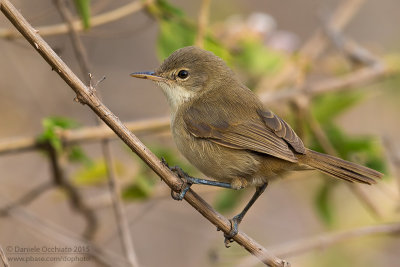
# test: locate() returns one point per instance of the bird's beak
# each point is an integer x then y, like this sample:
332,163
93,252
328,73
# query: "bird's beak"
148,75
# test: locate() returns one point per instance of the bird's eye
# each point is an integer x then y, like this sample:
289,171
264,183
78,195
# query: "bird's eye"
183,74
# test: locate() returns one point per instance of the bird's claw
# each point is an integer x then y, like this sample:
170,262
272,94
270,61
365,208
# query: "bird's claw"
183,175
235,221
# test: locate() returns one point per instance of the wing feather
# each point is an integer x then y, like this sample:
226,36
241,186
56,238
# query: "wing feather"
249,135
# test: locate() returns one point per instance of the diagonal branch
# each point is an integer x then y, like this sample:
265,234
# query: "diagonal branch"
120,214
87,96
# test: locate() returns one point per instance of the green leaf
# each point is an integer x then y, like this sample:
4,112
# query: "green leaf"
95,173
141,189
83,8
50,126
323,203
227,200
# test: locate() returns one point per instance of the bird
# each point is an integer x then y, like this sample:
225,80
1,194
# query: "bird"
222,128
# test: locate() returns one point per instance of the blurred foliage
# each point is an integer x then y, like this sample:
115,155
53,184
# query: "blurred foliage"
323,202
50,127
364,149
83,9
228,199
256,60
95,173
77,155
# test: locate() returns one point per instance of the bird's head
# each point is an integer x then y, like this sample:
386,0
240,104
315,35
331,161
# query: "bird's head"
187,73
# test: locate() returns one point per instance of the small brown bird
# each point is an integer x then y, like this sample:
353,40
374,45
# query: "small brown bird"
222,128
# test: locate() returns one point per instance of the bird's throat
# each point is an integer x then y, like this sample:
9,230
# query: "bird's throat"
176,95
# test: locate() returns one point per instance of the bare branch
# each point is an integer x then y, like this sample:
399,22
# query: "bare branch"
120,213
86,96
95,21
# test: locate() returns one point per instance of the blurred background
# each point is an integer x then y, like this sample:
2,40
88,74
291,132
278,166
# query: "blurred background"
330,68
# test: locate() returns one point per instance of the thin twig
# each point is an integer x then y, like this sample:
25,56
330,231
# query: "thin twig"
119,209
121,218
86,96
202,23
4,257
95,21
325,240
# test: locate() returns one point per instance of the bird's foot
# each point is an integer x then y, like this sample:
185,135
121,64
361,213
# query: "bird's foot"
184,177
235,221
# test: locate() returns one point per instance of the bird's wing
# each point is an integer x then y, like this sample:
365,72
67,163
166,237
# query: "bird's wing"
263,133
282,130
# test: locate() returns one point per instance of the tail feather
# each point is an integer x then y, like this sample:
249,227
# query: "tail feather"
339,168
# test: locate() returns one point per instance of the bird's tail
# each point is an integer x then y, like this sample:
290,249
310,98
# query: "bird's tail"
339,168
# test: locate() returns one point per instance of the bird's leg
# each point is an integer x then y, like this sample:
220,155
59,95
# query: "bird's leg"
235,221
189,181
